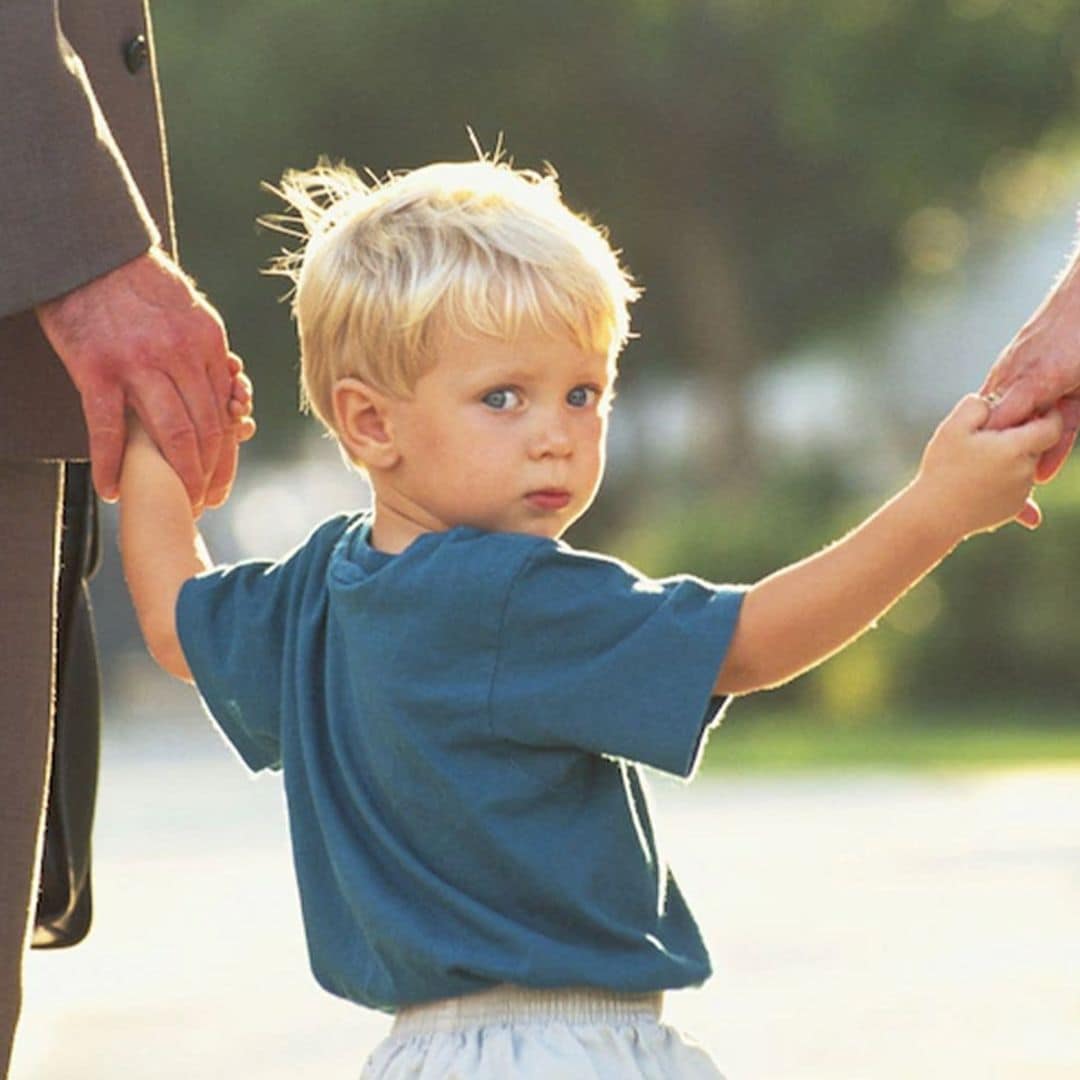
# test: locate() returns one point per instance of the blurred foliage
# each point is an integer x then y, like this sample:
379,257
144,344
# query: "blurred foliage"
769,167
996,622
928,738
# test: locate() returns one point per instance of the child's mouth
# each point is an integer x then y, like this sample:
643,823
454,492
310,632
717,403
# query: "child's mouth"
548,499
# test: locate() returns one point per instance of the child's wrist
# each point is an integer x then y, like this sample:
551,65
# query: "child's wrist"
931,516
136,433
142,458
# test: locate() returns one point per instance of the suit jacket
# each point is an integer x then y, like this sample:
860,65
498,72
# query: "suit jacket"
83,189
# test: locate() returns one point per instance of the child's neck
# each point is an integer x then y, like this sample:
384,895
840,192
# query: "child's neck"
395,525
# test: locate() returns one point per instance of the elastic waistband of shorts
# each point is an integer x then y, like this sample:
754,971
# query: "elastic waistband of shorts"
519,1005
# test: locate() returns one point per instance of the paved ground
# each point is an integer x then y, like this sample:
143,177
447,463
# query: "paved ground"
863,928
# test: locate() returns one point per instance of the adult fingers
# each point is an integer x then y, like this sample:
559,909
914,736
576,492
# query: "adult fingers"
208,412
222,367
241,428
1051,460
1012,405
221,481
201,369
1055,457
103,410
205,383
163,413
1009,366
1031,515
224,372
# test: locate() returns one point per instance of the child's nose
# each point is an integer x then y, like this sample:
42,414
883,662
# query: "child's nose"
552,438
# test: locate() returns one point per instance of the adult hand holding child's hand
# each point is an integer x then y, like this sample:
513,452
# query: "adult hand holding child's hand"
142,338
1040,369
977,478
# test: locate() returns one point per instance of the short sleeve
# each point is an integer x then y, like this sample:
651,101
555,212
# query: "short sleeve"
238,626
594,655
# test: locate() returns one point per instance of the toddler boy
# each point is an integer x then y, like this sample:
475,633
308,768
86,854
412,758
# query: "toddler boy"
456,697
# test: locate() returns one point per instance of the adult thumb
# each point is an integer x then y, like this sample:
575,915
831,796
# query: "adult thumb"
1031,515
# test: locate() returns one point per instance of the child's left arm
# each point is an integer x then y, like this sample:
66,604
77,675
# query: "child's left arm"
160,545
971,480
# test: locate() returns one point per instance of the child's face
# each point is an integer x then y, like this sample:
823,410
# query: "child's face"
501,435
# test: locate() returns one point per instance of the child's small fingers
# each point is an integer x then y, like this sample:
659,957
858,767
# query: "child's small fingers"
239,411
241,387
1032,438
972,412
245,429
1042,433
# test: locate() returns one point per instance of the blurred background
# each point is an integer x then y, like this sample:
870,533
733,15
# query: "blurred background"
840,213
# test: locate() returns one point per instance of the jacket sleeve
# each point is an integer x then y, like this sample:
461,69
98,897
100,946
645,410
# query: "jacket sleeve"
69,208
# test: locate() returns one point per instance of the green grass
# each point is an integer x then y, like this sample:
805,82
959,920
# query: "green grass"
762,740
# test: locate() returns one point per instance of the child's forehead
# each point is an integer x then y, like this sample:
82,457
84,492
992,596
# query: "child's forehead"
528,352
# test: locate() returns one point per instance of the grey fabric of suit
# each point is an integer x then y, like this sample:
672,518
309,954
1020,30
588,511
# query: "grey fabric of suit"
83,190
30,492
64,163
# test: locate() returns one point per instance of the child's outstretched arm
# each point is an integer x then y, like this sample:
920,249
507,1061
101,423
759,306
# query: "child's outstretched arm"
971,480
160,544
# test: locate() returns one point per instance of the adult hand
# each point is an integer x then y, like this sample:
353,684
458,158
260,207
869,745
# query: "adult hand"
1040,369
142,338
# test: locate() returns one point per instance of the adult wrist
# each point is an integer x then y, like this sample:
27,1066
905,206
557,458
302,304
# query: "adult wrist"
54,305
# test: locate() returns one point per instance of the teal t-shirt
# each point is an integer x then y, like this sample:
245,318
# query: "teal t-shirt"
459,727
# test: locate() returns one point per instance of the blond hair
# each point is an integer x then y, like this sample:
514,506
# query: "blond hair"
478,247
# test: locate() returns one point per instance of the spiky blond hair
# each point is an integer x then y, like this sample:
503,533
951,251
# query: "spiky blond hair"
477,247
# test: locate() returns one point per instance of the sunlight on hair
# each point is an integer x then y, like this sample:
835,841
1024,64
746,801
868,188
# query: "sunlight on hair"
477,247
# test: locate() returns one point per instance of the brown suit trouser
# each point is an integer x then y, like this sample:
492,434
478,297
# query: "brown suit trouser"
31,502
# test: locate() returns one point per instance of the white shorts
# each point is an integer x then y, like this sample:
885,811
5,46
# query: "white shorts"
509,1032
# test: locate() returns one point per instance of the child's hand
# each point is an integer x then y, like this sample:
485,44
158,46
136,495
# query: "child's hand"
975,479
140,447
241,405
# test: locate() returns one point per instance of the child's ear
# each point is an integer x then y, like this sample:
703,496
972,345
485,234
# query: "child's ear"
361,418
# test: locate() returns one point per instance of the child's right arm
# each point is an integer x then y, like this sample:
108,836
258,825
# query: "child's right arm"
160,545
971,480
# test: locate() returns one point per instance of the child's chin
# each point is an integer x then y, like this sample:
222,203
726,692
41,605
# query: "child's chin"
549,529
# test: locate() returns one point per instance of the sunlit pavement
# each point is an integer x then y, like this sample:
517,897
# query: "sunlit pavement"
864,927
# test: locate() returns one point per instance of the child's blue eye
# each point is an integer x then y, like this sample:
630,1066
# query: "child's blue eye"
582,396
502,400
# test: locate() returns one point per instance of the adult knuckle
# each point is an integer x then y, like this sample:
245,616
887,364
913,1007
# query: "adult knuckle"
212,429
176,434
182,344
201,322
